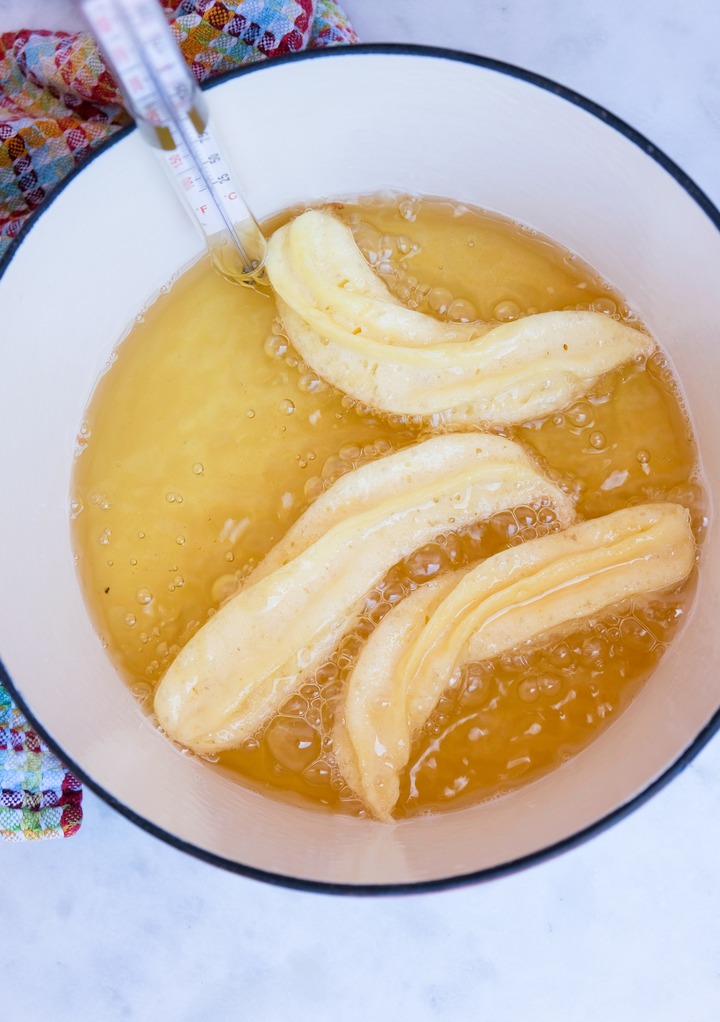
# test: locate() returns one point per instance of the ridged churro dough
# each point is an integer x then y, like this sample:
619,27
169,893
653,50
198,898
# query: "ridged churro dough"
519,594
248,658
346,324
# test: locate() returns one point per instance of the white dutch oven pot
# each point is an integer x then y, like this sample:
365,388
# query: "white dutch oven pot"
329,124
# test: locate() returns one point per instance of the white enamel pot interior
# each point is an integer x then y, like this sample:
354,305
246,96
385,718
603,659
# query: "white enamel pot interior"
324,125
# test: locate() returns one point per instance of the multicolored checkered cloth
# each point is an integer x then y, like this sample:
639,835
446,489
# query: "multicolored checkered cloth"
39,798
58,102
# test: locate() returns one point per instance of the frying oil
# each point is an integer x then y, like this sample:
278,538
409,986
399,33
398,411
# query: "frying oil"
207,437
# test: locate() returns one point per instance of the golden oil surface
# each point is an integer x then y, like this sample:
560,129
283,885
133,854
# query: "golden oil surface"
207,438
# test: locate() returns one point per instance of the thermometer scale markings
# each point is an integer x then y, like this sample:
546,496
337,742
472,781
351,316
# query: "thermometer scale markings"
171,115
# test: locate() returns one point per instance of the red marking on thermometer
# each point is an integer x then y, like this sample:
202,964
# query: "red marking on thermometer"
172,116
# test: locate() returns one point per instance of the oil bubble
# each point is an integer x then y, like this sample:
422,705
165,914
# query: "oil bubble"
313,488
407,210
462,311
529,690
335,467
549,685
293,742
604,305
403,244
440,300
276,346
318,773
310,383
507,311
580,414
223,588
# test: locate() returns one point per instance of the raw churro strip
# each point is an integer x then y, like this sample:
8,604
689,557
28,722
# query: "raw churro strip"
527,591
352,331
371,736
238,669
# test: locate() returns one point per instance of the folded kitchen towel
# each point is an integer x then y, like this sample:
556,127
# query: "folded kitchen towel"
39,798
59,102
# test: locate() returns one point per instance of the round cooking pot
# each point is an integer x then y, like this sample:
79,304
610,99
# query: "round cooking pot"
324,124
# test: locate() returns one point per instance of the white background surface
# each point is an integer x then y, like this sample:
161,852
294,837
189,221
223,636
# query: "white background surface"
112,924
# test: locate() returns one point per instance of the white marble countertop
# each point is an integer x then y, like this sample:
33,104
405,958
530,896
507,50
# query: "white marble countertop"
113,924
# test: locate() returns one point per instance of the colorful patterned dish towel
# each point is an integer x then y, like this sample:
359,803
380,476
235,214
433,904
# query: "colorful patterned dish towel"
39,798
58,102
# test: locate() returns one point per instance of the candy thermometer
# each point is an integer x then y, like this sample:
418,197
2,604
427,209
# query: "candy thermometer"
172,116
